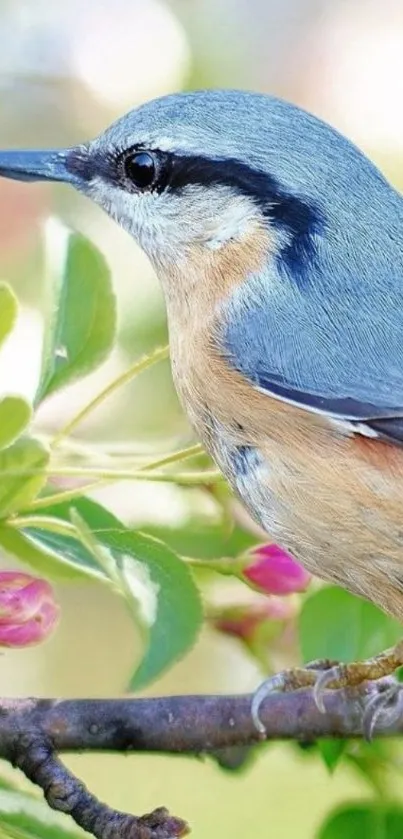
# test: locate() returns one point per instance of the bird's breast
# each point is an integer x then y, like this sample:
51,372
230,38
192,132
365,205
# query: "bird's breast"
334,501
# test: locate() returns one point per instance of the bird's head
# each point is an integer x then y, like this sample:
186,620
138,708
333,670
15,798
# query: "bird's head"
192,174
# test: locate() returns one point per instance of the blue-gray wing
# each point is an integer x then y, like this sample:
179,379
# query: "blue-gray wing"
320,324
330,347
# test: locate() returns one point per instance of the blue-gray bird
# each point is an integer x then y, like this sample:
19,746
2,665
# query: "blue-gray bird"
279,247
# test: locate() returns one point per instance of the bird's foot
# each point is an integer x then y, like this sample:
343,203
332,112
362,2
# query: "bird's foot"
325,674
384,708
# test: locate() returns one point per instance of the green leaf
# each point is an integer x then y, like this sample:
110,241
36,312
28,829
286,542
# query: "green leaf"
146,566
55,556
81,327
160,590
374,762
17,489
8,310
24,817
371,820
15,414
337,625
95,515
70,549
331,752
204,539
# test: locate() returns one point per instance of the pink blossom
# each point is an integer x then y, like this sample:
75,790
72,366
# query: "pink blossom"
244,621
28,610
274,571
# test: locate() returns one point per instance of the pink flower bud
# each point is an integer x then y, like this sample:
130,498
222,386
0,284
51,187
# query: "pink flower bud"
272,570
28,610
244,621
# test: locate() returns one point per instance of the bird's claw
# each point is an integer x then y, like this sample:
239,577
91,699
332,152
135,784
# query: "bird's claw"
309,676
323,679
382,708
275,683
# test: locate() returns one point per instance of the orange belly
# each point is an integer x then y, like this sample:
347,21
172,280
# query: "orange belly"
334,501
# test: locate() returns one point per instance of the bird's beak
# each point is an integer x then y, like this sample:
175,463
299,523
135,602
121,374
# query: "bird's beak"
46,165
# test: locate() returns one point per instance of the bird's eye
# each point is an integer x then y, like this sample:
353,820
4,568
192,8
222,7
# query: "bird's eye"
140,169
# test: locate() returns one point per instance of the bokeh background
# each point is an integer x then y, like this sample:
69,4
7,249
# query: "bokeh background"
66,71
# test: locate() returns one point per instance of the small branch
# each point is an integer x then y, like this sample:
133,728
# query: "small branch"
33,752
32,731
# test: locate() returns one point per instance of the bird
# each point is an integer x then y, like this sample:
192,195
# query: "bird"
279,248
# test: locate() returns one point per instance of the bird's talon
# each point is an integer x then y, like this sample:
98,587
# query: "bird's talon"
383,709
324,679
275,683
316,674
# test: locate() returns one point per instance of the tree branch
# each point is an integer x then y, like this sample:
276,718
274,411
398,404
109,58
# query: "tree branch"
63,791
32,731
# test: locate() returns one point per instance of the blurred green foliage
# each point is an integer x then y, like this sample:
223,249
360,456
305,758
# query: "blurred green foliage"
352,629
375,820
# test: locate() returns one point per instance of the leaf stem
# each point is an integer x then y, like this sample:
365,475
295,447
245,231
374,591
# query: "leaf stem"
174,457
190,478
65,495
138,367
194,478
76,492
64,528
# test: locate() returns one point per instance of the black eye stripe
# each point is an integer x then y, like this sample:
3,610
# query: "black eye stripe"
294,214
297,216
